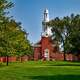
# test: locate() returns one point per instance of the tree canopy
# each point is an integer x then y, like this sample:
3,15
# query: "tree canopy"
66,31
13,39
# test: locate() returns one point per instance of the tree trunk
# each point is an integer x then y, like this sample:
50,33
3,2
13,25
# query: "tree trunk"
7,60
64,56
64,51
21,59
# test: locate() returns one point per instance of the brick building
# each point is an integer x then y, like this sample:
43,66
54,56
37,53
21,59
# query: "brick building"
45,48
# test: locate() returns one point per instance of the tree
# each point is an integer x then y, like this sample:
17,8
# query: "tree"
74,36
58,30
4,5
66,31
13,39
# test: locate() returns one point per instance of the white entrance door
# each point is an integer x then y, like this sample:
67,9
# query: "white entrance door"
46,54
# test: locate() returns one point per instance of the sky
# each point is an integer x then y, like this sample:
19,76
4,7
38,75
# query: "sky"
30,13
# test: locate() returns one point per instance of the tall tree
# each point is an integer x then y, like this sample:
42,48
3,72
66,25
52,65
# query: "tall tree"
13,39
58,30
74,36
4,5
66,30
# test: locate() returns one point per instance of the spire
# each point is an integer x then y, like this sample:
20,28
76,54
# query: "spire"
46,31
46,15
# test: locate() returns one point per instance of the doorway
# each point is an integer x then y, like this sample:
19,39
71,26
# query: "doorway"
46,54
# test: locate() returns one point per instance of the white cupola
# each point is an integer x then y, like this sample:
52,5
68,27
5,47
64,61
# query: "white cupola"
46,31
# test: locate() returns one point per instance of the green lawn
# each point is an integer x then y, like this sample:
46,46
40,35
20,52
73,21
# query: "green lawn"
51,70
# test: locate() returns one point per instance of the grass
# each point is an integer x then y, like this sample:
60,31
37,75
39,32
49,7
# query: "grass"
50,70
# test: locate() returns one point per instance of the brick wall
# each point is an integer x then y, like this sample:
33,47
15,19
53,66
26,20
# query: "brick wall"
14,58
10,59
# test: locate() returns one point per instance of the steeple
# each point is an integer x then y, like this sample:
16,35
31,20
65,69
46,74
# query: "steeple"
46,31
46,15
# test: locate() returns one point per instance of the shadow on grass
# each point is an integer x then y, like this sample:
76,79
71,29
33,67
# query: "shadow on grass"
64,65
55,77
2,65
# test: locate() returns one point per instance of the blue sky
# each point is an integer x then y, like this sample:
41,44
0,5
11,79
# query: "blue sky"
30,13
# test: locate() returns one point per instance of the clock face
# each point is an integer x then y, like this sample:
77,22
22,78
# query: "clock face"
46,34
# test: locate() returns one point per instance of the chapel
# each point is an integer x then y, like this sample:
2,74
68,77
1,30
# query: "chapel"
46,47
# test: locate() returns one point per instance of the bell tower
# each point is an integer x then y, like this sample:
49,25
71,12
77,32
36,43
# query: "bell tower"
46,31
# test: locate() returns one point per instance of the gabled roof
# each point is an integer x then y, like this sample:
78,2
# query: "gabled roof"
38,44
